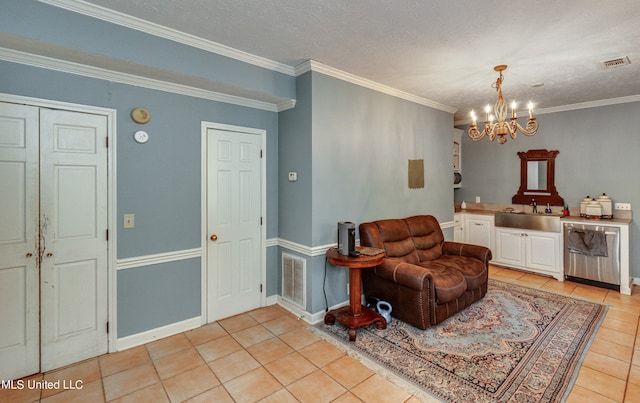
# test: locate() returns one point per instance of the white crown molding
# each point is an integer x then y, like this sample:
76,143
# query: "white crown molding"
573,107
285,105
590,104
105,14
312,65
64,66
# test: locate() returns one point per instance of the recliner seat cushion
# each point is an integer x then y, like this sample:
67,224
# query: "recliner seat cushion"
473,270
448,282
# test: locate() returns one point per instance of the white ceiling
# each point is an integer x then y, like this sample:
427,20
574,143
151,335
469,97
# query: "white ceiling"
443,51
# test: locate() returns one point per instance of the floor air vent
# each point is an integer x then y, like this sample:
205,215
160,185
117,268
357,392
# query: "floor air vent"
293,280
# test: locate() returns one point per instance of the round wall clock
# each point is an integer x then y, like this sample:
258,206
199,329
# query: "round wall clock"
140,115
141,136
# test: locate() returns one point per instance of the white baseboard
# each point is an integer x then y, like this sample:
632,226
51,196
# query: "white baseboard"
311,318
157,333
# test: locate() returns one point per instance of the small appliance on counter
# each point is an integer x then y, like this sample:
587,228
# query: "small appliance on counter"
347,238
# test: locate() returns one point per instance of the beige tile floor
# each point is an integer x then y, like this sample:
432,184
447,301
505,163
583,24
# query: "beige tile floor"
268,355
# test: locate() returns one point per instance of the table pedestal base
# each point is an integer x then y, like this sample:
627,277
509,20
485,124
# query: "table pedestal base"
344,316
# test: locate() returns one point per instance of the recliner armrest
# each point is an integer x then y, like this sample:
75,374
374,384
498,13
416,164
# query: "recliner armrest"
464,249
403,273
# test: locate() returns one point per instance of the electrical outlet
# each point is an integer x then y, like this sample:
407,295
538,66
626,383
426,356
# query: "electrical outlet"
623,206
477,199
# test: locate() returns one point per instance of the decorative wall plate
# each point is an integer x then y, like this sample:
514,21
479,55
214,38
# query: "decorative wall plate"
140,115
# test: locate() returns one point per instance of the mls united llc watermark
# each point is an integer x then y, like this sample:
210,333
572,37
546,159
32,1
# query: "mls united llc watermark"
29,384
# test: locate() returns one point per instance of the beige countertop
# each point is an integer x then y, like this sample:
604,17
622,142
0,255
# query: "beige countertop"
615,221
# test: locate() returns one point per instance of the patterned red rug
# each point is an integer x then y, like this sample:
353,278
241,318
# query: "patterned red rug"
516,344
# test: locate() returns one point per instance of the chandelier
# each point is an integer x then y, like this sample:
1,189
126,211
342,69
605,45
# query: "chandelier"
502,128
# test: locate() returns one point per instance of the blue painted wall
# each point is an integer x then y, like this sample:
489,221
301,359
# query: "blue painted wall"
350,146
145,301
295,154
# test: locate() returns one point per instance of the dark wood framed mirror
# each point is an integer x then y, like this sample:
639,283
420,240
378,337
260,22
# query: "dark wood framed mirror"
537,175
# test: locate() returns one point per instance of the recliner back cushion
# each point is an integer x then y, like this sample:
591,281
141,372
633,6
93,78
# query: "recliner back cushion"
427,236
397,240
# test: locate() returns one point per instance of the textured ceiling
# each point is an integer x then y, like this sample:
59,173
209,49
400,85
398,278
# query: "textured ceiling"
443,51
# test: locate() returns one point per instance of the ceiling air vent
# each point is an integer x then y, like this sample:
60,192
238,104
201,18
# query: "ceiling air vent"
613,63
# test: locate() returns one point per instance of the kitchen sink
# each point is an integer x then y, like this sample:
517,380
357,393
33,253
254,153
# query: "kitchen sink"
532,221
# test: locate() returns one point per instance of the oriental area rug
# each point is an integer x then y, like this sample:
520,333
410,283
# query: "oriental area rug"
516,344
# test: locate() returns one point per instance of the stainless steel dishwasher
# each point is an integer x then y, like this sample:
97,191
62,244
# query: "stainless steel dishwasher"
592,254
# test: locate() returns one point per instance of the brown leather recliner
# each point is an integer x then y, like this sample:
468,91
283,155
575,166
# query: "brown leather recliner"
425,278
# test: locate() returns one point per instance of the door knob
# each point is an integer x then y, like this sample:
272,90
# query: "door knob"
214,237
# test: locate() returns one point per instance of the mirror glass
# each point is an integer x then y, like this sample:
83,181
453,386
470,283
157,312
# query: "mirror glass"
536,175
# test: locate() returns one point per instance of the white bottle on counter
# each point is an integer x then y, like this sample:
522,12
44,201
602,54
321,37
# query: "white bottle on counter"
463,205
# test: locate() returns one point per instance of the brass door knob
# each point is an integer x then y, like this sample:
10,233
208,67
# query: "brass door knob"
214,237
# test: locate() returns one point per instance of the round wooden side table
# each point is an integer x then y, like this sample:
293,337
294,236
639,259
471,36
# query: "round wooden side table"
354,315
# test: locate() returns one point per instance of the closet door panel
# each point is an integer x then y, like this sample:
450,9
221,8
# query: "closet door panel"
19,302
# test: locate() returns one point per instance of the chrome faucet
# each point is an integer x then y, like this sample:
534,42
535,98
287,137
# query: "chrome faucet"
535,206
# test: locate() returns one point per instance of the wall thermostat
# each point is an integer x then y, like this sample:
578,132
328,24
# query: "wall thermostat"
141,136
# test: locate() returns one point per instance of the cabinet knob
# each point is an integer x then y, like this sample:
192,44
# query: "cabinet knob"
29,254
49,254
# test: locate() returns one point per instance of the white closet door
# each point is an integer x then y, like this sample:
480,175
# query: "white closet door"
73,193
19,338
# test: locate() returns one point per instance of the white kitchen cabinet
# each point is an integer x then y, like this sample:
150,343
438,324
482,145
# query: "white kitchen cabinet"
457,157
478,229
458,228
537,251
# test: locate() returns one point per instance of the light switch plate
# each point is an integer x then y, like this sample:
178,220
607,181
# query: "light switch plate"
293,176
129,221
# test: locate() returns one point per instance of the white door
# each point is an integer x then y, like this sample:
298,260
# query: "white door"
53,218
19,338
73,210
233,223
